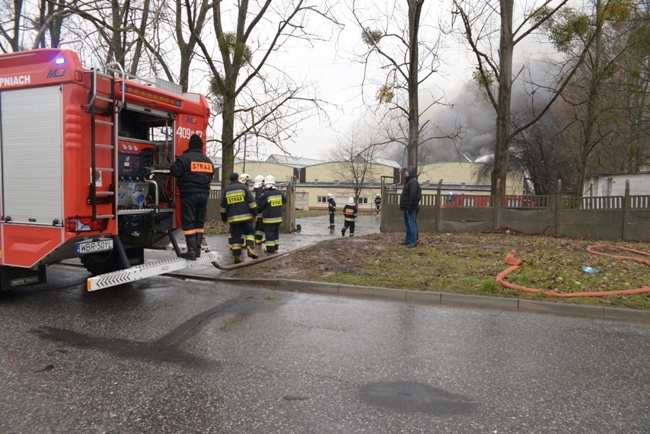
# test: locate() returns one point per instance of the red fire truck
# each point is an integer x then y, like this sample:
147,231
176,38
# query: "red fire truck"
85,157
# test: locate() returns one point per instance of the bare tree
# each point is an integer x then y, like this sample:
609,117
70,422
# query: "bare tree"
592,99
353,159
496,65
28,25
195,19
245,52
11,26
543,153
409,60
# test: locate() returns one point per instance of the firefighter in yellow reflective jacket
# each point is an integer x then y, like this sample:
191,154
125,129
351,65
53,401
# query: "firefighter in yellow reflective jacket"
238,209
349,216
270,205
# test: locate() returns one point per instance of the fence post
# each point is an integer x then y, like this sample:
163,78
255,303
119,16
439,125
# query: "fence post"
557,206
438,205
626,208
288,224
384,202
496,207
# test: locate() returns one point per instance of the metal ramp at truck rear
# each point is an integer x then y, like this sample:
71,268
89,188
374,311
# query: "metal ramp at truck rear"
147,270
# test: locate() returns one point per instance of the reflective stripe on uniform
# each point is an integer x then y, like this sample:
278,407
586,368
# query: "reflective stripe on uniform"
240,218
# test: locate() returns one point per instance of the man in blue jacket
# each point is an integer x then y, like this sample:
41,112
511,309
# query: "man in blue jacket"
409,203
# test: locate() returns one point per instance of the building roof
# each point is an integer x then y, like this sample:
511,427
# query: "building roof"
389,163
384,162
288,160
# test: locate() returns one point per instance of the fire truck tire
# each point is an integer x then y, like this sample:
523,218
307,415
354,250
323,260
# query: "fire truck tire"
100,262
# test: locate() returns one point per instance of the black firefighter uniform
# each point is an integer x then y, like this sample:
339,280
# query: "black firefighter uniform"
270,205
238,208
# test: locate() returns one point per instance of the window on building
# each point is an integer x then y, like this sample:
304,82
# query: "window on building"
363,200
322,199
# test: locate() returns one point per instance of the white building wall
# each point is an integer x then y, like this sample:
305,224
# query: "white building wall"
614,185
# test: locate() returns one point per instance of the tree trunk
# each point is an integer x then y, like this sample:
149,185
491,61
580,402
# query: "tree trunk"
592,105
503,139
227,138
138,48
415,7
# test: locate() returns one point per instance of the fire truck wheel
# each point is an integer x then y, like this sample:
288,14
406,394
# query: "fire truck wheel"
100,262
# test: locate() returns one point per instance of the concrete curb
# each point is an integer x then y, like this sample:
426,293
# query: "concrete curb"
460,300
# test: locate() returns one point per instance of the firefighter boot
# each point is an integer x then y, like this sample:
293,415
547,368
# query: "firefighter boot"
190,255
199,242
251,252
238,259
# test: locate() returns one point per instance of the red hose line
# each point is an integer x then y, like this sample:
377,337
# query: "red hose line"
516,263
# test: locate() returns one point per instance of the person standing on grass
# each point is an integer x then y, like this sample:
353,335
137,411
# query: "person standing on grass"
349,217
378,202
409,203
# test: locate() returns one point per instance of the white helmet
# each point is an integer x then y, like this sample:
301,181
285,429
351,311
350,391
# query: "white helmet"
244,178
269,181
330,196
259,181
351,201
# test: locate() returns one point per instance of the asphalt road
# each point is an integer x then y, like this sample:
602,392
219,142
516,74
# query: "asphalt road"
166,355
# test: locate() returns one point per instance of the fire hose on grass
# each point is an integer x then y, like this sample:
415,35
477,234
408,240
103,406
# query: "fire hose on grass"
516,263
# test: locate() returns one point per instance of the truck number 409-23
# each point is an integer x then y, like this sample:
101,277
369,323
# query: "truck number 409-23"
186,133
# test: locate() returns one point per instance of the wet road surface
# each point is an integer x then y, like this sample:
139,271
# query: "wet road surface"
179,355
167,355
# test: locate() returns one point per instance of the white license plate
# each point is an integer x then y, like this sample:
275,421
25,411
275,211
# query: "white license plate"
86,247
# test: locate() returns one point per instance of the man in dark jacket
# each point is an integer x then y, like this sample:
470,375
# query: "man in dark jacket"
194,171
409,203
238,209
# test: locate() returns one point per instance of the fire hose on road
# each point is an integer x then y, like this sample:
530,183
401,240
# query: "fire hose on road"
255,261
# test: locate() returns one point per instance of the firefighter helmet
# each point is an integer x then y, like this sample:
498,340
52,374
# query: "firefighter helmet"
259,181
330,196
244,178
351,201
269,181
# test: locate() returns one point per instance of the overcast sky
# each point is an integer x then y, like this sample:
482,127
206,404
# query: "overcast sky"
338,78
